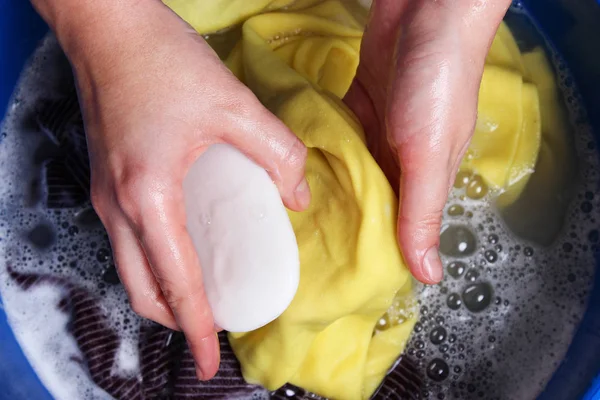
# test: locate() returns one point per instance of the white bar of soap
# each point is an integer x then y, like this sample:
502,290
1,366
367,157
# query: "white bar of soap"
244,239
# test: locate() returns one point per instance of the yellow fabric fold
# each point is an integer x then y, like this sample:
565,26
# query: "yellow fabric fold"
299,65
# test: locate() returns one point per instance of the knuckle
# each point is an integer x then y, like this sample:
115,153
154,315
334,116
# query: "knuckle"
182,297
423,225
137,194
238,101
174,295
139,306
98,198
431,219
147,305
295,154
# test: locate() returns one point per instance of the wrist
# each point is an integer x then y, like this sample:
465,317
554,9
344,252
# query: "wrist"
96,29
468,25
474,20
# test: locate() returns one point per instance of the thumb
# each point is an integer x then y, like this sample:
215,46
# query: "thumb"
431,124
431,116
265,139
424,186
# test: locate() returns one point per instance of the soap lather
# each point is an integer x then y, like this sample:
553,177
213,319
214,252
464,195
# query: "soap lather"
244,239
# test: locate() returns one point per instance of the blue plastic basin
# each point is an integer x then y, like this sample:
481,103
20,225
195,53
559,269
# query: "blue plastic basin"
573,26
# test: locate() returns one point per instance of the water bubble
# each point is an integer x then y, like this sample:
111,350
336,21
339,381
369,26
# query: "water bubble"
567,247
452,338
498,248
593,236
490,256
418,327
443,348
586,207
420,354
41,236
102,255
528,251
476,189
571,277
454,301
456,269
462,179
437,335
457,241
110,276
477,296
493,238
438,370
589,195
455,210
419,344
472,275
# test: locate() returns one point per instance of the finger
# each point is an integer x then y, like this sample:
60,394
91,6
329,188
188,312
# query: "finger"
430,121
431,133
145,295
423,193
161,223
266,140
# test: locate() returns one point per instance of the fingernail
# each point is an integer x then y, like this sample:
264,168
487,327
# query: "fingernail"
432,265
206,359
199,373
302,194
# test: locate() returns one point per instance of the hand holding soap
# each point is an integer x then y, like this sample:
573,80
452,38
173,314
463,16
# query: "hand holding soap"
244,239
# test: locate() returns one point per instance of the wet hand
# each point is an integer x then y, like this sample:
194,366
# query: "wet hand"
416,95
154,97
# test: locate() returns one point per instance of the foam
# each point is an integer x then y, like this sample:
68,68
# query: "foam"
39,326
127,358
40,330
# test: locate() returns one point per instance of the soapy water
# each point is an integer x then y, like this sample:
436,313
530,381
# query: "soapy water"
496,327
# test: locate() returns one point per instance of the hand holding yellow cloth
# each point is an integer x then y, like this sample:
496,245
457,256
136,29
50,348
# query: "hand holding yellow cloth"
300,62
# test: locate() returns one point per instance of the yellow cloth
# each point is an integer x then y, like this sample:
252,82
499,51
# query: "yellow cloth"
507,137
522,125
299,65
538,214
300,62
